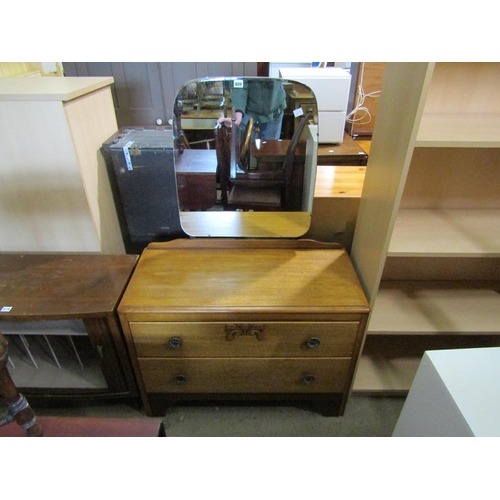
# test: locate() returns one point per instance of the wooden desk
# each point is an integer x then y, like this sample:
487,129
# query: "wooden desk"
240,318
347,153
196,172
59,296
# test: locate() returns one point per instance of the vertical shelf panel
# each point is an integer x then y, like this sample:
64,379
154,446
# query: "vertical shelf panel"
390,156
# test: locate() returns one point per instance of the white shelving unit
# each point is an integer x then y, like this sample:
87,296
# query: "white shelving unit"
55,193
427,239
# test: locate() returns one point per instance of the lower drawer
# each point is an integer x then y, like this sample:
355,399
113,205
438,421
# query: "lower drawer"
249,375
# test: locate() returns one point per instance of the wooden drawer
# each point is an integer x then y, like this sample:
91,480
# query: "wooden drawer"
287,339
248,375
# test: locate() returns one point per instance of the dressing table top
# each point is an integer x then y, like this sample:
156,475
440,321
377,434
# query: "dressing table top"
214,276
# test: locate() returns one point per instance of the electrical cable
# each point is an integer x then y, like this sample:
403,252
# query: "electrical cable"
360,100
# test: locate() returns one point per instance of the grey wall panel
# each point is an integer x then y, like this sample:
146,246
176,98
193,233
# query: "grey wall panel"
144,92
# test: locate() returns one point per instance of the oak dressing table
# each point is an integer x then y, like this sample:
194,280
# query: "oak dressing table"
256,319
245,309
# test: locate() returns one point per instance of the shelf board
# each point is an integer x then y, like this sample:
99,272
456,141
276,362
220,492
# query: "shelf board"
446,233
383,375
388,364
435,307
459,130
50,88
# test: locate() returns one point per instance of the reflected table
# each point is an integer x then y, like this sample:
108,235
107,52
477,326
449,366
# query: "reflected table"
347,153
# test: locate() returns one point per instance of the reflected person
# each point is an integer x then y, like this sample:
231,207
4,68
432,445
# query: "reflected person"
262,99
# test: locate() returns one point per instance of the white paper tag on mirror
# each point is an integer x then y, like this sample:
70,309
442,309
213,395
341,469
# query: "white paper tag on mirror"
298,112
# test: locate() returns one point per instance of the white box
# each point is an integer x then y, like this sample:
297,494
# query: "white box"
454,393
331,126
331,88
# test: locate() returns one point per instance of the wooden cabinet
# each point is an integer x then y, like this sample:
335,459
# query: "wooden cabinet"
55,194
244,319
58,312
427,238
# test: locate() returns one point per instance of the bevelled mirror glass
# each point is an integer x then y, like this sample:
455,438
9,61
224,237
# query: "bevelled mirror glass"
245,156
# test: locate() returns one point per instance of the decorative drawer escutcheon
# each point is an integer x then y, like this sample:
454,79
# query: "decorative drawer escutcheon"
241,329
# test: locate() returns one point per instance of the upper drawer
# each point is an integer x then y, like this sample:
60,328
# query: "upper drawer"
157,339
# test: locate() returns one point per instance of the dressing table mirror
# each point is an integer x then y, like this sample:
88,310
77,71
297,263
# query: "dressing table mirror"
244,309
268,186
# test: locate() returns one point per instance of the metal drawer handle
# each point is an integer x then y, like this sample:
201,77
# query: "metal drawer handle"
308,379
180,379
174,342
313,342
241,329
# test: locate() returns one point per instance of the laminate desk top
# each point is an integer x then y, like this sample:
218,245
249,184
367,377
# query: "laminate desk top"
43,88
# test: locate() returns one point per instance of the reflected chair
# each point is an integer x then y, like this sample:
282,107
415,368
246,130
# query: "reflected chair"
18,409
242,189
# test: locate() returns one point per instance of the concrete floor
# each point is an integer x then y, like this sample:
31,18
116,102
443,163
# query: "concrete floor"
364,417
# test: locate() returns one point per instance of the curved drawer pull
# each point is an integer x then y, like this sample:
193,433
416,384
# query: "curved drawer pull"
174,342
180,379
232,330
308,379
313,342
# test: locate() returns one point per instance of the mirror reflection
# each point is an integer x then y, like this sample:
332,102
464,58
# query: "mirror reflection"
245,144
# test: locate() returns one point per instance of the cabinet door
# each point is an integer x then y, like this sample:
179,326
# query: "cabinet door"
68,357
